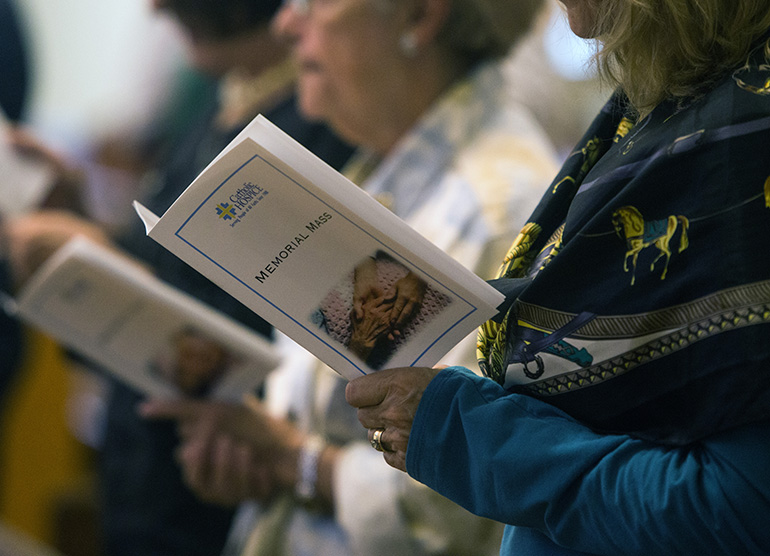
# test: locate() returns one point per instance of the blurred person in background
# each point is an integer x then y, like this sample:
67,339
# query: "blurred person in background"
418,87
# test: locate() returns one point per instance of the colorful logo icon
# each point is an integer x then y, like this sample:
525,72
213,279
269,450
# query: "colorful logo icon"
226,211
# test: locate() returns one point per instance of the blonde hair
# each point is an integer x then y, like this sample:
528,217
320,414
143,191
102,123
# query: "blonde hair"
674,49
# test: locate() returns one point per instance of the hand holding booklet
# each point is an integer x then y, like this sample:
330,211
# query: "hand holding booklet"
320,259
149,334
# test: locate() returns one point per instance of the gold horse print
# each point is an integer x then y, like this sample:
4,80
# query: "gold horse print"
638,234
755,78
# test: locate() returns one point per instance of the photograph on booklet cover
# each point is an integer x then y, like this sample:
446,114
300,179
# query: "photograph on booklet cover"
377,307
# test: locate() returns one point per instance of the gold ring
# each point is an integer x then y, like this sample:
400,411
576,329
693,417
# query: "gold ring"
376,441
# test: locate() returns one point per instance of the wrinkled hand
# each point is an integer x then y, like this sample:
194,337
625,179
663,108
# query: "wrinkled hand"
407,295
388,400
35,237
366,287
229,453
373,323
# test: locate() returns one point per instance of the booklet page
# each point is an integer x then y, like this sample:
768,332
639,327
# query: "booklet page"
147,333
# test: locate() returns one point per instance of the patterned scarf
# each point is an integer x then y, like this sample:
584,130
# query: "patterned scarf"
638,294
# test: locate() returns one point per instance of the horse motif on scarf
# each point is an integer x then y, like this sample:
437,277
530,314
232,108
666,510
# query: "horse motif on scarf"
638,234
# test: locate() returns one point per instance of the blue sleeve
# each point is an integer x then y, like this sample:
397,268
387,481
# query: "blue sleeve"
523,462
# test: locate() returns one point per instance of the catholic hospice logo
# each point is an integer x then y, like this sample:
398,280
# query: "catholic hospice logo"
225,211
239,203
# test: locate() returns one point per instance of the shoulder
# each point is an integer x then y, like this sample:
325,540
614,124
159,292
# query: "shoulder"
742,95
506,151
752,79
507,166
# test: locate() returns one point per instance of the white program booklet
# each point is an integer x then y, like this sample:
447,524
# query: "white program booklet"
118,314
24,181
293,239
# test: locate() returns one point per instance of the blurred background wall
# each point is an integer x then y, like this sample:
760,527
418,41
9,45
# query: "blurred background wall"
98,65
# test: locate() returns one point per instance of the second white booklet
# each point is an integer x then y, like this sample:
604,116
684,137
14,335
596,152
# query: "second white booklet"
284,233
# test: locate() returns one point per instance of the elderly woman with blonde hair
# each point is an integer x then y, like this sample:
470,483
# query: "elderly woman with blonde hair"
418,86
626,408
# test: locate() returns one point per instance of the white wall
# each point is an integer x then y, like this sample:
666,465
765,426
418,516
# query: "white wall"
98,65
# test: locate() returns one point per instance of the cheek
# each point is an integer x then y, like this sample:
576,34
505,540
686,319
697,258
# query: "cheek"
333,80
356,70
343,63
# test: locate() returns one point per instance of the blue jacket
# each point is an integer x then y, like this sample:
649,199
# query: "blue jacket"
570,490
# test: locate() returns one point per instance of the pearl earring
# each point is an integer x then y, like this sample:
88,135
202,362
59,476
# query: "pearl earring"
408,44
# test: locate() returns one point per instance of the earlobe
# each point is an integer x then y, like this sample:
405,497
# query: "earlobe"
427,20
407,43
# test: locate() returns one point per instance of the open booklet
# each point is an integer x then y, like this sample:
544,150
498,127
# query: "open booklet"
320,259
117,314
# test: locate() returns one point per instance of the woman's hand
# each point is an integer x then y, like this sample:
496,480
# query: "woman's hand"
388,400
193,362
68,180
230,453
33,238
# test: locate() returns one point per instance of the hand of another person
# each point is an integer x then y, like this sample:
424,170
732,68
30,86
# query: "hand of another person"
68,180
388,400
34,237
195,362
221,469
407,295
228,452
